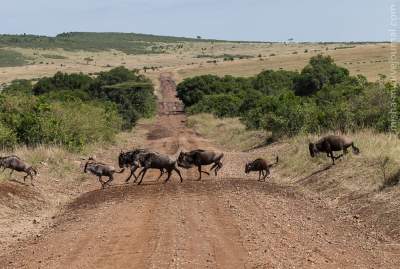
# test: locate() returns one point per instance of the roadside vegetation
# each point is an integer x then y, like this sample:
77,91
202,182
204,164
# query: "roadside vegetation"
295,108
322,97
74,110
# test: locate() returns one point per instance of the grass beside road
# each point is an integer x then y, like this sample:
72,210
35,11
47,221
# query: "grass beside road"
375,169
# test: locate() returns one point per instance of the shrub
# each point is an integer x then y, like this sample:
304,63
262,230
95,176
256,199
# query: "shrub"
32,121
8,139
272,82
320,71
221,105
62,81
131,92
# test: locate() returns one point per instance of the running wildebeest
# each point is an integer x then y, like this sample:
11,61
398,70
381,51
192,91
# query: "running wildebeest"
199,158
100,169
16,164
261,166
331,143
155,160
133,160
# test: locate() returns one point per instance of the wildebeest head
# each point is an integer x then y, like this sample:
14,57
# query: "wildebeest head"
247,168
122,159
313,149
184,160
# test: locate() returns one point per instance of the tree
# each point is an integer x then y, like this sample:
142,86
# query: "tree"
321,70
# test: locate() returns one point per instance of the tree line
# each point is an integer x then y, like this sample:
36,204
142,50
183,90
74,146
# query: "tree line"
73,110
322,97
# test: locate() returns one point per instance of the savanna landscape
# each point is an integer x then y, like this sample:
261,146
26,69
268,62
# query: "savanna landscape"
78,95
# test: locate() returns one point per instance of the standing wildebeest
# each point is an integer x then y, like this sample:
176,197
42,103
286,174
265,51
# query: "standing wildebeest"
133,159
16,164
331,143
201,157
155,160
100,170
261,166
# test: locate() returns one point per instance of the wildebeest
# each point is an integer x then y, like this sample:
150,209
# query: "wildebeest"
16,164
133,159
199,158
261,166
100,169
331,143
155,160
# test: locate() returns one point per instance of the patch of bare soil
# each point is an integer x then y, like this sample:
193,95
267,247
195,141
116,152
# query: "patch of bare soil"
228,221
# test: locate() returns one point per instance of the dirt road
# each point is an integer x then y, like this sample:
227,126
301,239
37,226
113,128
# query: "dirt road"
231,221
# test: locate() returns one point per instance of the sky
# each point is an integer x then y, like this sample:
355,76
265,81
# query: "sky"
251,20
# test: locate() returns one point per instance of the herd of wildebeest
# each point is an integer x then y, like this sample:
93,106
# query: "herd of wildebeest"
147,159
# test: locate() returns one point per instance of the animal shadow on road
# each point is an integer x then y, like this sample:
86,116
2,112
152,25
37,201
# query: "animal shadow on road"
18,182
314,173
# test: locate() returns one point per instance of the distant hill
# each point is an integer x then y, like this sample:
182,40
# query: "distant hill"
130,43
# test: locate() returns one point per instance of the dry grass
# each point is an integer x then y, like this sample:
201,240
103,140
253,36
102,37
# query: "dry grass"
231,134
367,59
375,169
361,173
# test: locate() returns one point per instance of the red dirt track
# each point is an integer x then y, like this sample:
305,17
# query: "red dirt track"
229,221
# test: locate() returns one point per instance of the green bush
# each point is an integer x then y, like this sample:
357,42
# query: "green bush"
33,121
323,97
221,105
320,71
62,81
192,90
132,93
74,110
272,82
8,139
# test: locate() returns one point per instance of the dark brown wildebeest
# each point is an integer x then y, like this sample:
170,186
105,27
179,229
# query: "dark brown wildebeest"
133,159
331,143
16,164
199,158
100,169
155,160
261,166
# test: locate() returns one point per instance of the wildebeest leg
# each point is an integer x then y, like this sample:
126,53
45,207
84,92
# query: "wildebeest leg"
12,171
30,174
332,157
169,175
218,168
161,173
215,166
4,169
108,182
200,171
338,157
101,182
133,169
199,168
143,172
259,175
267,173
179,173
